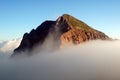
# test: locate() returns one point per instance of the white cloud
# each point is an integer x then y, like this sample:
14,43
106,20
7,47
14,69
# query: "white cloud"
9,46
94,60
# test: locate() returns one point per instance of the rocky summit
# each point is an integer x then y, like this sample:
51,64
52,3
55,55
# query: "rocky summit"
65,30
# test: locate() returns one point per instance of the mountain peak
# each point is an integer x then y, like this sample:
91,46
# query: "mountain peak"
65,30
74,23
66,15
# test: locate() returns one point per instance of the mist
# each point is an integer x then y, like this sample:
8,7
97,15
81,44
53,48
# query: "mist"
7,47
93,60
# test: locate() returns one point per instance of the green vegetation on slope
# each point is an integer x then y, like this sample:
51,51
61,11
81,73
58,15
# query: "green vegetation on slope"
74,23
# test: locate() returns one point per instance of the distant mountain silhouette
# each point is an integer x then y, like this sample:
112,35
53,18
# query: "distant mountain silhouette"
65,30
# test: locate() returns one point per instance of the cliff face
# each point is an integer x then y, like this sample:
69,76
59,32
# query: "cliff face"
65,30
77,31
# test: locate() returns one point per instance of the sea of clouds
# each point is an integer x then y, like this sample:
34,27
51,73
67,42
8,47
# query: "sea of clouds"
93,60
7,47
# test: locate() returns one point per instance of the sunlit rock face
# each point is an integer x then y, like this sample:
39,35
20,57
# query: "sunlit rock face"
55,34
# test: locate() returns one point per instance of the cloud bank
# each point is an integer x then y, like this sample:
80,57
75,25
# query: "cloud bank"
7,47
94,60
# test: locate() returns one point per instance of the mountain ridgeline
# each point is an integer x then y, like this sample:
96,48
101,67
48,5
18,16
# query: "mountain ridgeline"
65,30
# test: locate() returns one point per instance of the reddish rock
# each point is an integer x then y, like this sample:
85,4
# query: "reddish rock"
65,30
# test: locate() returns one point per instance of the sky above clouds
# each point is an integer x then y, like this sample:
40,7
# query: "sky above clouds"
20,16
93,60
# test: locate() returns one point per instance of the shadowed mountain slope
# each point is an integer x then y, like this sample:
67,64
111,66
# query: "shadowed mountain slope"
65,30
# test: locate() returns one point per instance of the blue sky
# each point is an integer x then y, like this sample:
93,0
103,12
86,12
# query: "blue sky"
20,16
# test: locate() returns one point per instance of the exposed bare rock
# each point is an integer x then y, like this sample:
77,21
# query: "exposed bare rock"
65,30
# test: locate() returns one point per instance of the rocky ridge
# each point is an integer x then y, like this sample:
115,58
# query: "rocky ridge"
65,30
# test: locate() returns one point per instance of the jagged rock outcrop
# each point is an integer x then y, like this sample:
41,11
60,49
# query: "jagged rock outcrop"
65,30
